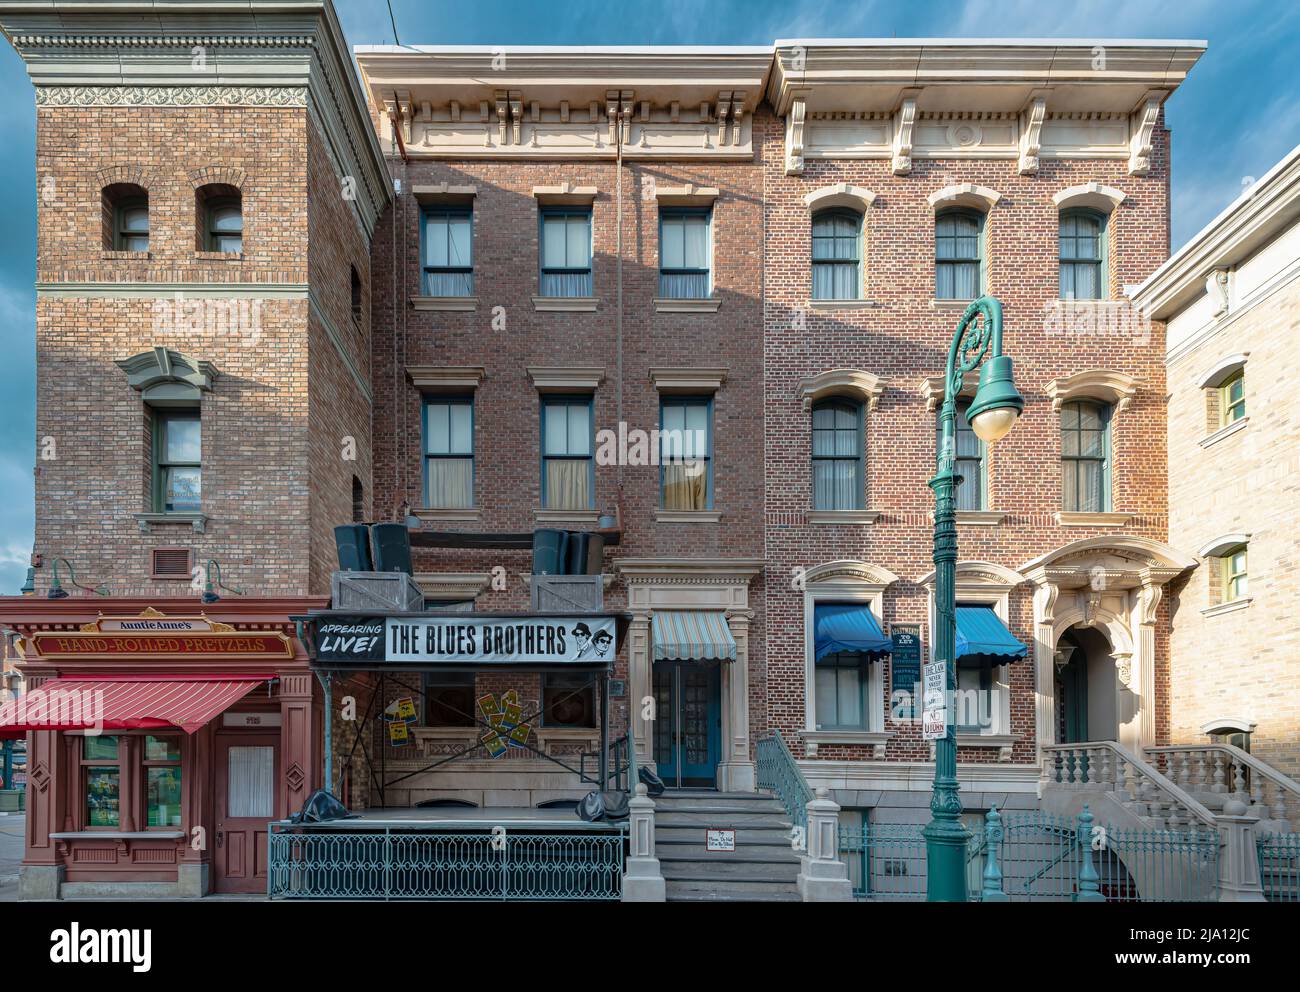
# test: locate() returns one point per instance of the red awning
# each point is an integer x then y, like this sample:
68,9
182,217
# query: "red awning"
124,702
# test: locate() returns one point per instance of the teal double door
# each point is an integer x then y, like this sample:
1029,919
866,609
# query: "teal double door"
688,722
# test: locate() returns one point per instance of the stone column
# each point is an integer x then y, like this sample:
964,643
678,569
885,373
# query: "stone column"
1044,665
642,880
639,685
1239,879
823,877
1148,601
736,770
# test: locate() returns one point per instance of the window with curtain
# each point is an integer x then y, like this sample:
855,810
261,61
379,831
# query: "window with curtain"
566,253
837,455
449,252
1232,570
958,235
178,472
684,254
836,245
448,453
250,782
1085,442
1232,399
974,702
568,469
841,686
1081,245
685,445
969,460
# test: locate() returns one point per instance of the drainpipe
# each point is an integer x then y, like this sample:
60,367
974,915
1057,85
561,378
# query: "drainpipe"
618,262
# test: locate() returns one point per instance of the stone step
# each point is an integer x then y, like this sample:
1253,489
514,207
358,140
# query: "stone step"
729,871
685,818
719,808
772,836
695,891
751,853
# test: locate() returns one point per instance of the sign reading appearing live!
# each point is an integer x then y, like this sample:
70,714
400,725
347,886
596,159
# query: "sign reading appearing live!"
465,638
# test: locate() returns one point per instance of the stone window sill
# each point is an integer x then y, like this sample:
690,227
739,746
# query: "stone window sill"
543,515
565,304
977,518
1225,431
688,516
1003,742
876,739
1232,606
1071,518
842,304
950,304
844,517
219,256
444,303
147,521
709,304
447,513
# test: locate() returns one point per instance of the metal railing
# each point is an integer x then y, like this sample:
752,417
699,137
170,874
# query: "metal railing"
886,861
778,771
1279,866
427,864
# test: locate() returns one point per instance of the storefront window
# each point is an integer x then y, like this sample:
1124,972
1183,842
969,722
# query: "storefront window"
568,700
102,779
162,763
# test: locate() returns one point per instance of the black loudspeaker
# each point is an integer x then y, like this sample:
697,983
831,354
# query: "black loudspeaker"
392,547
353,541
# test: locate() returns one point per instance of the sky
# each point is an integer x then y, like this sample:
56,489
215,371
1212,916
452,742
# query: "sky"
1237,114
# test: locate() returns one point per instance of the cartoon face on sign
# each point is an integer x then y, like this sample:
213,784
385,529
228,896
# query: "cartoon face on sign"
582,637
602,643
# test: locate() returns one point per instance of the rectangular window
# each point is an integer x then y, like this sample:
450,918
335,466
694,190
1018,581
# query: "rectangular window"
1081,245
974,702
835,247
1232,399
1085,443
684,254
449,699
101,773
837,456
568,469
448,252
957,237
568,700
449,453
162,781
842,680
969,457
177,462
250,782
1233,570
685,446
566,253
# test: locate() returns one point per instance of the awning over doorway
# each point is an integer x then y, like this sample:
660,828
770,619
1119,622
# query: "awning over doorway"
125,702
692,635
983,637
847,627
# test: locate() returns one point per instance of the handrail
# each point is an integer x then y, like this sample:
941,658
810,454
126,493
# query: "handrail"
1235,754
778,771
1088,776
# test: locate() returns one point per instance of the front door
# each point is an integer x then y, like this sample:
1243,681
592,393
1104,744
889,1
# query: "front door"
688,722
248,767
1072,700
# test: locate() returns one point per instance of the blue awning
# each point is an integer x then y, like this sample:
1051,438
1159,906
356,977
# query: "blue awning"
847,627
692,635
982,636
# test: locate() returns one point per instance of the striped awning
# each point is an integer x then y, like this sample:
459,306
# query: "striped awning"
692,635
124,702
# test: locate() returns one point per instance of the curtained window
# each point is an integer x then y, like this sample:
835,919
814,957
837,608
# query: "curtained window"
958,236
842,680
568,469
837,455
449,453
684,254
969,460
1081,245
1085,453
836,240
685,446
566,253
448,252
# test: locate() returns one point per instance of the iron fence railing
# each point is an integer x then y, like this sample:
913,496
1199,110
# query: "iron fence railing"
402,864
886,861
1279,866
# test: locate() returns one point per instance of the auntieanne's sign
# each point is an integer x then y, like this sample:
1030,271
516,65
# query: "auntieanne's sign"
151,645
466,639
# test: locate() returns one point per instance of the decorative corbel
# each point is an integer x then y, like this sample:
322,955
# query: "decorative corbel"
1216,287
453,111
564,111
1124,668
516,114
904,122
1047,595
611,112
404,108
1151,594
724,108
1139,159
794,124
628,103
737,117
1091,607
1031,135
503,108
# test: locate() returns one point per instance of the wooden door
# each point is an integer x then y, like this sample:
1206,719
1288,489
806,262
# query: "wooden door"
248,769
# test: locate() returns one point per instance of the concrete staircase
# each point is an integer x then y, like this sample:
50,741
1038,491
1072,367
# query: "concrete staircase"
763,867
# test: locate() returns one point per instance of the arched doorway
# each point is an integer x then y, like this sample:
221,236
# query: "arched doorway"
1087,688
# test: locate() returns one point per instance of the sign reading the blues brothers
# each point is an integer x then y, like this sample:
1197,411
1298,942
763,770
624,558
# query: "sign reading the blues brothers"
905,655
500,640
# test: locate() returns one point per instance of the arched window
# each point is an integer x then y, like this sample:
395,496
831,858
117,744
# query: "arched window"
1085,457
958,254
220,213
126,217
836,254
1082,248
837,455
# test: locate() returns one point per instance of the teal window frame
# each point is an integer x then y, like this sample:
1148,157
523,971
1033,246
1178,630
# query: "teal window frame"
556,400
1073,262
444,214
161,464
859,456
980,485
832,214
543,269
683,401
671,214
428,456
1104,411
978,260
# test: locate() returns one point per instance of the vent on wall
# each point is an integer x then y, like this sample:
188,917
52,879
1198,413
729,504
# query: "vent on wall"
171,563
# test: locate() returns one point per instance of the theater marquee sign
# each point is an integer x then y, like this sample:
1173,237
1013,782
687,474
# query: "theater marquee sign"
153,635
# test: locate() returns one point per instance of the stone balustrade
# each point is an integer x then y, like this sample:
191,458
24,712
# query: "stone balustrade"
1214,773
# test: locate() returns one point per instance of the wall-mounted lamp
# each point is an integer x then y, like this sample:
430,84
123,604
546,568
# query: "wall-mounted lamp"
209,593
56,587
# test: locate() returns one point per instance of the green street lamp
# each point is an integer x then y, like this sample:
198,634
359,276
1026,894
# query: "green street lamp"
995,408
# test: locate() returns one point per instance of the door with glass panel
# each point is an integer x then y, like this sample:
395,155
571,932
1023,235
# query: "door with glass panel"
247,771
688,723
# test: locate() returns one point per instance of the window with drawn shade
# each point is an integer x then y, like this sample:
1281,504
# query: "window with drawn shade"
178,473
835,248
449,453
448,252
837,455
841,686
684,254
162,781
1081,246
250,782
684,446
957,254
568,469
101,778
566,254
1085,452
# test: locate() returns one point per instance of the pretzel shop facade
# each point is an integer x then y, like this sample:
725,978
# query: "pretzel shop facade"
162,737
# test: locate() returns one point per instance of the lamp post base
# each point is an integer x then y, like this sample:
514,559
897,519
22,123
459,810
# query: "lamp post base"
945,856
